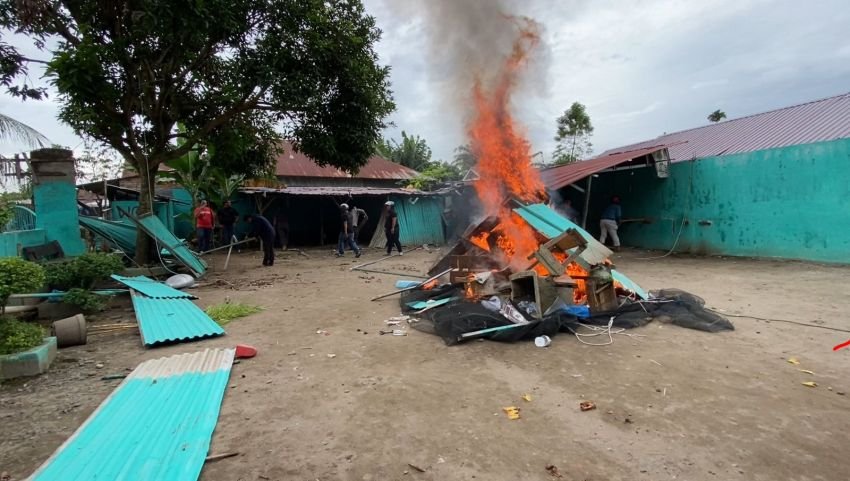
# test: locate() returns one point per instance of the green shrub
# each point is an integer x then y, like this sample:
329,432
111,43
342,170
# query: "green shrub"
84,271
224,313
17,336
18,276
87,301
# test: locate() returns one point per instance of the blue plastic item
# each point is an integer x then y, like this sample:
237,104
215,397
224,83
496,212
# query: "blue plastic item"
402,284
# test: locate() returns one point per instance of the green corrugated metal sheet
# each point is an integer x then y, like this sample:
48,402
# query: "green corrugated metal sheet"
152,288
420,220
156,425
171,320
121,235
156,229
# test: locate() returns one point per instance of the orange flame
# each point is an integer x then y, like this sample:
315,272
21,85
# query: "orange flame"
503,152
480,240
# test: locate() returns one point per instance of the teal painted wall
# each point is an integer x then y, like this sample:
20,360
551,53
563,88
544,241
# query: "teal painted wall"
789,202
56,212
9,241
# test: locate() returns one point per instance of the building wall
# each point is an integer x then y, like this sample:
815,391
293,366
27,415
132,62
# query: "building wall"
789,202
11,243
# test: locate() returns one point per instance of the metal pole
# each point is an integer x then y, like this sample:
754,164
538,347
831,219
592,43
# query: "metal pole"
586,203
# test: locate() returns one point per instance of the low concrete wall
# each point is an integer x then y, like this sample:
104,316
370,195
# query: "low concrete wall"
28,363
11,243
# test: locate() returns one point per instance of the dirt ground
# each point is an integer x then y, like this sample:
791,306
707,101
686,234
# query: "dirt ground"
674,404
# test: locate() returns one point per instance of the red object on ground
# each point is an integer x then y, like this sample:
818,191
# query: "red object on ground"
842,345
244,351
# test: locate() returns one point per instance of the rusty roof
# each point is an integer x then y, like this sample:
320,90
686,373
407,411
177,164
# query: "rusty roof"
816,121
335,191
557,177
291,163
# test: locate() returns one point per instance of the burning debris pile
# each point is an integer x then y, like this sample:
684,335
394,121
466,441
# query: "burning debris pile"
524,270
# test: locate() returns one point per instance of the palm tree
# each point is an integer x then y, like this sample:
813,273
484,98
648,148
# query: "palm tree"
716,116
11,129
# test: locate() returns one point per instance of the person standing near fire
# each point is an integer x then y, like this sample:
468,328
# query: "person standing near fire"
359,218
391,228
610,222
346,233
204,222
227,217
262,229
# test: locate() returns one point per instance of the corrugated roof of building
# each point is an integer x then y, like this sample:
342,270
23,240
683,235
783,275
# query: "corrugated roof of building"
557,177
816,121
152,288
295,164
337,191
157,424
171,320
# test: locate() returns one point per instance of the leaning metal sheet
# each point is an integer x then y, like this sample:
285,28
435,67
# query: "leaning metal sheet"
156,229
156,425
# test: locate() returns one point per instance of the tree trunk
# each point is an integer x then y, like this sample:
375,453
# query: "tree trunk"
147,189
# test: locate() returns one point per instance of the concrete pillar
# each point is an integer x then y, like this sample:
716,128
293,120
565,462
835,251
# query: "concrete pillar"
55,198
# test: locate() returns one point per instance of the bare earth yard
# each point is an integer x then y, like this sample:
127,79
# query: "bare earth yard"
675,404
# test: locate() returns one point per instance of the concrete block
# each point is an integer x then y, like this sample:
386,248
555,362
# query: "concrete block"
28,363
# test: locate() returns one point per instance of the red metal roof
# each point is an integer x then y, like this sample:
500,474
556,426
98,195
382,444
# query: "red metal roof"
817,121
335,191
557,177
295,164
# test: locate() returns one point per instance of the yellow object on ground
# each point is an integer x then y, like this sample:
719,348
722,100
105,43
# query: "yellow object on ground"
810,384
512,412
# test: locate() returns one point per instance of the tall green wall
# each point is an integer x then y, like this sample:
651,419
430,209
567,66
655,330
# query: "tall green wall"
789,202
57,214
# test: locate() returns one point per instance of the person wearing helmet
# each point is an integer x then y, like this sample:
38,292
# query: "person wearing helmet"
346,233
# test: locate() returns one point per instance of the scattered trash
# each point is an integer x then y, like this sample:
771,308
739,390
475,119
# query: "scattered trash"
542,341
180,281
323,332
392,323
810,384
526,397
840,393
793,360
512,412
216,457
110,377
99,365
394,332
655,362
244,351
553,471
331,356
587,405
806,371
415,467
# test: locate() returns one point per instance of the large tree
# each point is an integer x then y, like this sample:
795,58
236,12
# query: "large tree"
573,135
128,71
411,152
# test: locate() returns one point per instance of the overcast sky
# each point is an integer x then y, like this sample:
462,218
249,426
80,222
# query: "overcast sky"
643,68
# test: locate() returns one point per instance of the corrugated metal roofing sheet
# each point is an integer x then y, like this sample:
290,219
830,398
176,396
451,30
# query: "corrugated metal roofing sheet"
817,121
419,223
551,224
152,288
335,191
156,425
156,229
295,164
557,177
171,320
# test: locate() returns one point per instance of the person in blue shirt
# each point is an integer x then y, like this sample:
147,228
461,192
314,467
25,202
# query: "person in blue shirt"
610,221
262,228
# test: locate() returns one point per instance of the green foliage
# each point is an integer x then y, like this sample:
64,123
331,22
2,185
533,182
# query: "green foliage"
17,336
230,70
573,135
434,174
87,301
224,313
7,211
84,271
11,129
411,152
716,116
18,276
465,159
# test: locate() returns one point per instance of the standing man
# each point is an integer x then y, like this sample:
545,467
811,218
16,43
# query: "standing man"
346,233
611,217
359,218
262,229
204,221
227,217
391,228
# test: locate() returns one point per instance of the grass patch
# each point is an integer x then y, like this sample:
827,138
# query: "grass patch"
224,313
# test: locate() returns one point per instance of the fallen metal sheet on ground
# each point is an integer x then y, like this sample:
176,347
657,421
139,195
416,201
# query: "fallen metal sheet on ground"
160,233
153,288
156,425
551,224
171,320
121,235
629,284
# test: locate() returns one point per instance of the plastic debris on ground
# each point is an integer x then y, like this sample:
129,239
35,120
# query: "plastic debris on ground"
512,412
587,405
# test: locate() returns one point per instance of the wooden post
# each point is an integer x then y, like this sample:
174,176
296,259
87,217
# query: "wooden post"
586,203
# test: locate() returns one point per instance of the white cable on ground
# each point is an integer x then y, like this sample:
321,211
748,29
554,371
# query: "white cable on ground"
600,331
675,244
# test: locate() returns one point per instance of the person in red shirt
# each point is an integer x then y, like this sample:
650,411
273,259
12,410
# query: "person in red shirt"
204,221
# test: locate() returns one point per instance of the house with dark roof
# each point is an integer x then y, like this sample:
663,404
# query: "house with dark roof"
773,184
